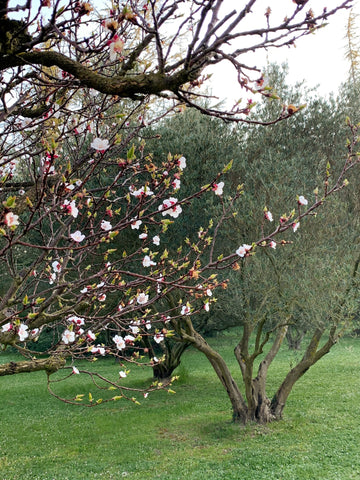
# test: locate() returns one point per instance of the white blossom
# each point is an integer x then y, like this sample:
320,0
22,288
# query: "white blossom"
302,200
100,145
105,225
243,249
77,236
22,332
182,163
119,342
159,337
147,262
68,336
142,298
218,188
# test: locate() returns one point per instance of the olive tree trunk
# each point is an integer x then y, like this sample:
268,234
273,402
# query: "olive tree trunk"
256,406
312,354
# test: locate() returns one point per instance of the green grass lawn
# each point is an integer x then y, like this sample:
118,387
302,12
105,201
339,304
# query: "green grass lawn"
188,435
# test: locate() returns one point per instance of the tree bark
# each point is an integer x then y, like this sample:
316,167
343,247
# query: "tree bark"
258,403
50,365
239,407
311,356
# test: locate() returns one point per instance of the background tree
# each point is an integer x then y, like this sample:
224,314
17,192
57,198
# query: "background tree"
287,291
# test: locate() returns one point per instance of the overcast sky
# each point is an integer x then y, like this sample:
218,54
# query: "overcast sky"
318,58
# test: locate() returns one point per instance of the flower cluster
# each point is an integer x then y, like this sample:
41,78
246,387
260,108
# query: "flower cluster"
170,207
243,250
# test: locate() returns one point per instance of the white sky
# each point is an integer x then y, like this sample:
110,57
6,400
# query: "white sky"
319,58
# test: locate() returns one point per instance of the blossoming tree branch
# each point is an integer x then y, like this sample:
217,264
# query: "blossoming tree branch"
85,208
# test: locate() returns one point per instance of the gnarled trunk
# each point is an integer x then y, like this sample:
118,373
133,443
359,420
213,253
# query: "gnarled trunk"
257,407
239,407
258,404
311,356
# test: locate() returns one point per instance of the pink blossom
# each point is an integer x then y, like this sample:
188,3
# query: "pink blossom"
100,145
11,220
106,226
159,337
135,224
170,207
176,184
90,335
70,208
268,215
75,371
119,342
56,266
116,46
143,236
156,240
130,339
295,226
272,244
47,167
76,320
77,236
218,188
34,332
102,297
206,306
185,310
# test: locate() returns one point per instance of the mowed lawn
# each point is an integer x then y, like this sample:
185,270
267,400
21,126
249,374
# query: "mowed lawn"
187,435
